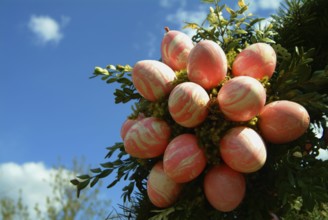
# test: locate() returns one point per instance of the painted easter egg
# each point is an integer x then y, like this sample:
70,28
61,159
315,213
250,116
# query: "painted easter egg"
162,190
147,138
153,79
241,98
188,104
283,121
257,60
243,149
224,188
128,124
207,64
183,159
175,49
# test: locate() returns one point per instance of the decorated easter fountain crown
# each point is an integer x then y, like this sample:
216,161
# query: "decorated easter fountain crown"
216,129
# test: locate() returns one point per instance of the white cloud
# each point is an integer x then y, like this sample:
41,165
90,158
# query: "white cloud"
181,16
263,23
171,3
47,29
255,5
33,180
269,4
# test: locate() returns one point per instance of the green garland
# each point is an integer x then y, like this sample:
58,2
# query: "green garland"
292,182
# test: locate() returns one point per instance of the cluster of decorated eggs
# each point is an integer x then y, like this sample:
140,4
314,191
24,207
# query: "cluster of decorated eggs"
240,99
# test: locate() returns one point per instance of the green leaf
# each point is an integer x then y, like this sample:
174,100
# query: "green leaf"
230,11
94,181
191,25
213,19
291,178
208,1
107,165
111,80
96,170
241,3
105,173
254,21
74,182
81,186
113,183
105,77
268,40
240,31
124,81
100,71
128,91
83,177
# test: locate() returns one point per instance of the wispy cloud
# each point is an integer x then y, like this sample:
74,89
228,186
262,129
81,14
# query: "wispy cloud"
269,4
171,3
181,16
33,180
256,5
46,29
151,44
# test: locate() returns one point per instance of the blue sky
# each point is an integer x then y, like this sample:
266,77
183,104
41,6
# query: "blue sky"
49,108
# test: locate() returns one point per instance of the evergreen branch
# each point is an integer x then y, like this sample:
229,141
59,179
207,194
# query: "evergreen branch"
121,75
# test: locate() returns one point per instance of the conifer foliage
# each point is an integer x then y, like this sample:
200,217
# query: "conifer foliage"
224,126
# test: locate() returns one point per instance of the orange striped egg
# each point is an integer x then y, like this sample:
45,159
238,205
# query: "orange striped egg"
283,121
175,49
128,123
224,188
241,98
183,159
257,60
207,64
243,149
162,190
147,138
188,104
152,79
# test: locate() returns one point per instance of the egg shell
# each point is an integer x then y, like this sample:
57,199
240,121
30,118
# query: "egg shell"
188,104
283,121
183,159
175,49
153,79
243,149
147,138
207,64
128,123
241,98
162,191
257,60
224,188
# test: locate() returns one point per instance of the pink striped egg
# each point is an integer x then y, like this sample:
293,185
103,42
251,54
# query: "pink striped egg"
153,79
241,98
257,60
183,159
175,49
128,124
188,104
224,188
283,121
243,149
207,64
147,138
162,190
